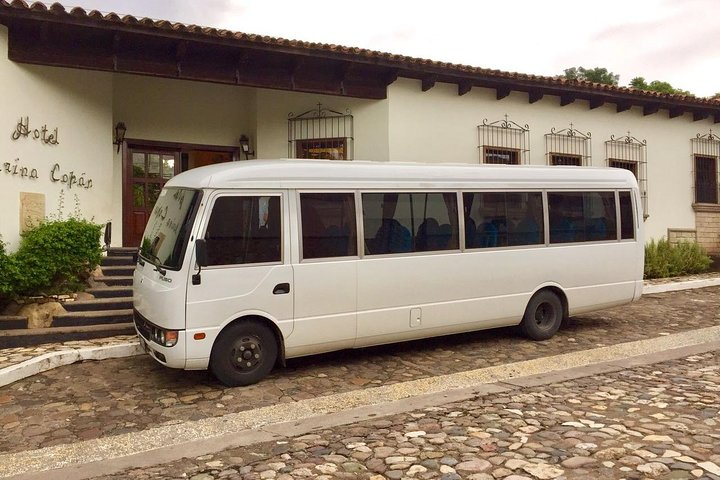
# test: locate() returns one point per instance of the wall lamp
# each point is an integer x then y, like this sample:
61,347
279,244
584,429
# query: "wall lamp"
120,130
245,146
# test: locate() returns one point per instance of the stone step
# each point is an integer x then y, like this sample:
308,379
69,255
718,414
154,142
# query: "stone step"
117,260
12,322
77,319
121,251
37,336
100,304
115,281
110,292
118,270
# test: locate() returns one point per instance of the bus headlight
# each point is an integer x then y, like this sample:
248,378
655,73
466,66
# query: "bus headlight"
166,338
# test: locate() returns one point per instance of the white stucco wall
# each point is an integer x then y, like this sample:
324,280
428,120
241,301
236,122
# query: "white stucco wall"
370,119
77,103
178,111
441,126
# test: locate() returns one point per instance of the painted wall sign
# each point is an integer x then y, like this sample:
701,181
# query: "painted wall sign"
42,134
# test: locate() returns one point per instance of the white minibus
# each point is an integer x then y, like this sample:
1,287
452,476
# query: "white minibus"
245,264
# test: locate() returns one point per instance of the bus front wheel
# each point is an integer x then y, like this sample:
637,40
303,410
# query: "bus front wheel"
244,353
543,316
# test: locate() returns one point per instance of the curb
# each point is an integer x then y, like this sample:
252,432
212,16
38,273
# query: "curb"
676,286
51,360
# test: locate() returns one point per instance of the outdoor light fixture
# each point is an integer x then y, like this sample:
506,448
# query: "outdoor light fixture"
245,146
120,130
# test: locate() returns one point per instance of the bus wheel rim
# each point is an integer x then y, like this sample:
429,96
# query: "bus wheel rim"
246,353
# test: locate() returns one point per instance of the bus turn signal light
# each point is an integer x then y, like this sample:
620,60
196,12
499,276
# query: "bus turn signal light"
199,336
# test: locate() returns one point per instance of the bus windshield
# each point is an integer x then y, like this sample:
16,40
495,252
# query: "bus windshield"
167,231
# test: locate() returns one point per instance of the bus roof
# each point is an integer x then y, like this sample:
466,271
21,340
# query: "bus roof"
311,174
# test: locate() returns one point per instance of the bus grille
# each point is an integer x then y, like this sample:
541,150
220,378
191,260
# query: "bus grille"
142,325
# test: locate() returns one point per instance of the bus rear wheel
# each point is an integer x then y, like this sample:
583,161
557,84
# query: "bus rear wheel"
244,353
543,316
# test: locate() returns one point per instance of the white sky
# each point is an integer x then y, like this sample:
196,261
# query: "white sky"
676,41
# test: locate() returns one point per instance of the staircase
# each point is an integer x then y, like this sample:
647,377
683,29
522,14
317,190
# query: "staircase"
106,315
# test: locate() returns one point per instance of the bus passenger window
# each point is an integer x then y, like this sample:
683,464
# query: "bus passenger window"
244,229
410,222
500,219
582,216
627,219
328,225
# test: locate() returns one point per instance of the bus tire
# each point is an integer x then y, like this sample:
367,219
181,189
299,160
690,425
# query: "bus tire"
543,316
244,354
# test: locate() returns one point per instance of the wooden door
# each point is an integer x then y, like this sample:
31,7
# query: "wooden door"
146,171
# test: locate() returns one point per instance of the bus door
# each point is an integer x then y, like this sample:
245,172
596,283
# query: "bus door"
249,270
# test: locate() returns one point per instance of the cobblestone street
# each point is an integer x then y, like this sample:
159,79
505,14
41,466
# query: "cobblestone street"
658,421
97,399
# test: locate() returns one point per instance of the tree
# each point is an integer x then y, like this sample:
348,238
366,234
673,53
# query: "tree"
656,86
596,75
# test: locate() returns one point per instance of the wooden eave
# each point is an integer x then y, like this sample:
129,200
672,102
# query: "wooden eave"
78,39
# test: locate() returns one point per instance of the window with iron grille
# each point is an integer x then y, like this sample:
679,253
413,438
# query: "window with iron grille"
631,154
706,152
565,159
501,156
568,147
503,142
321,133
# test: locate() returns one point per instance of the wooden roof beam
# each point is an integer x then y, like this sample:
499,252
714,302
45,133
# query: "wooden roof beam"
596,102
622,106
650,109
566,99
700,115
534,96
428,82
676,112
502,92
464,87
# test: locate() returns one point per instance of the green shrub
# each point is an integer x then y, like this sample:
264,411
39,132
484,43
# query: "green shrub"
663,259
57,256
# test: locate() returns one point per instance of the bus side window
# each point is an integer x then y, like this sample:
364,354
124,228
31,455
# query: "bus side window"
328,225
244,229
410,222
627,217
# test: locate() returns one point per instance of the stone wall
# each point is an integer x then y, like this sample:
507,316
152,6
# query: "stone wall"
677,235
707,223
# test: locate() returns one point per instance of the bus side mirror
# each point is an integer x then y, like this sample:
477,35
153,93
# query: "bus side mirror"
201,256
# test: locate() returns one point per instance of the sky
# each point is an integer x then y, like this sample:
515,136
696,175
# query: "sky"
676,41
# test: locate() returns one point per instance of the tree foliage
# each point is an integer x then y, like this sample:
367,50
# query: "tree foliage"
656,86
596,75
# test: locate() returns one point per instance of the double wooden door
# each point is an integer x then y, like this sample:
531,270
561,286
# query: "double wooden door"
146,172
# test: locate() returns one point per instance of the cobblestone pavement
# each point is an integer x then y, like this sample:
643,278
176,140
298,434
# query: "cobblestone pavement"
657,421
96,399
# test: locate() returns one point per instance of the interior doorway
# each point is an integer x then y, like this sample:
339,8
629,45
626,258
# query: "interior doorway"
147,166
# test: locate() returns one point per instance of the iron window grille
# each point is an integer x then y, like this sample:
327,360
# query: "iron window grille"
321,133
568,146
631,154
504,142
705,155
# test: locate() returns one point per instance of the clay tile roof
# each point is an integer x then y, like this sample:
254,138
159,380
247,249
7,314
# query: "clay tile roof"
354,53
